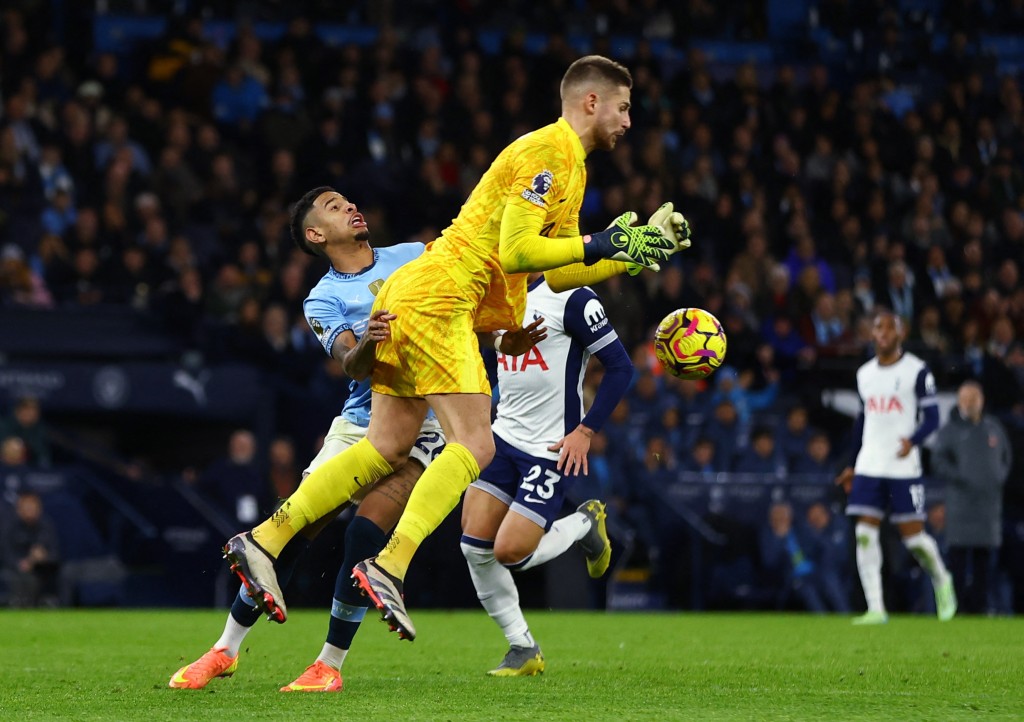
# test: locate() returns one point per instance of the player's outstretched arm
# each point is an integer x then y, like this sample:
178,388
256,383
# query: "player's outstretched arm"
522,248
624,241
674,227
357,358
577,275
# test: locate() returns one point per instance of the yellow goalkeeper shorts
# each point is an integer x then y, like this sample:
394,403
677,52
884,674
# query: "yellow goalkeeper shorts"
433,348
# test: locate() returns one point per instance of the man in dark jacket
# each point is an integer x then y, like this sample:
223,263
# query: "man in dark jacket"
972,455
28,552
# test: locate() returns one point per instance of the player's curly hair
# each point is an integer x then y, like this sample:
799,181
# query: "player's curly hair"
297,219
592,68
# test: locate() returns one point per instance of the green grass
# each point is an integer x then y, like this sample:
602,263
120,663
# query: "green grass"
114,665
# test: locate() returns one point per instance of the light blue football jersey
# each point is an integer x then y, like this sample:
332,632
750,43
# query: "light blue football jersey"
342,302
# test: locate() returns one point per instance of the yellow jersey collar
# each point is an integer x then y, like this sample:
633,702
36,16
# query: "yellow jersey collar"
577,144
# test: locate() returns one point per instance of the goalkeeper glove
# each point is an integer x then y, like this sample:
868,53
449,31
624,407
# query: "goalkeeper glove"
673,226
622,241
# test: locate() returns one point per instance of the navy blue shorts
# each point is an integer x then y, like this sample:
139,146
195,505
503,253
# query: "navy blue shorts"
873,496
531,486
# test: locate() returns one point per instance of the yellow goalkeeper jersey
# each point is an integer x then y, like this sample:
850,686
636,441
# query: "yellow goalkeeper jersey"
544,172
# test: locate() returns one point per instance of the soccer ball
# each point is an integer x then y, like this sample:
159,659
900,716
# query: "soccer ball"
690,343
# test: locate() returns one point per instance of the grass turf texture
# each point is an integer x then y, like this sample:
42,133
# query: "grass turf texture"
114,665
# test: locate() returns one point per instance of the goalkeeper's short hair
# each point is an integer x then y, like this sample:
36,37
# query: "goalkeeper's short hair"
297,220
594,69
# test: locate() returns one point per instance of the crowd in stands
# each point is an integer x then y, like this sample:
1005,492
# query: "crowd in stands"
817,189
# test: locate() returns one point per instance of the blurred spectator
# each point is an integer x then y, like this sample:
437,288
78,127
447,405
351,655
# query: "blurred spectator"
761,457
794,434
725,432
785,562
816,463
824,328
183,306
804,255
701,459
235,483
20,285
938,278
60,214
625,442
972,455
283,472
85,285
29,553
645,400
928,340
690,399
828,547
118,144
26,423
789,350
899,292
13,465
649,512
238,99
670,427
736,387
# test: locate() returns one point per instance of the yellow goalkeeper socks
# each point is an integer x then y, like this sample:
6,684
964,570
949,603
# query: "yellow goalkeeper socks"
320,493
435,495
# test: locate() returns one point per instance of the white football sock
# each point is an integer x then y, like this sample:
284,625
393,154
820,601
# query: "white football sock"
869,565
923,547
563,534
332,656
232,637
498,594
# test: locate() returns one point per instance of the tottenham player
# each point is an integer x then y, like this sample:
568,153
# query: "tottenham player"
541,440
325,223
895,388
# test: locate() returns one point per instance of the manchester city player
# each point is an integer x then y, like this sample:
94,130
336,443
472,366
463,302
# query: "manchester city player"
326,224
895,388
541,437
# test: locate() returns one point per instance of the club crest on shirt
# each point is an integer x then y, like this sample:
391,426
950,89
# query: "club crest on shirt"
539,187
319,329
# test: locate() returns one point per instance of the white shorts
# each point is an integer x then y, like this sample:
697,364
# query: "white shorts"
343,434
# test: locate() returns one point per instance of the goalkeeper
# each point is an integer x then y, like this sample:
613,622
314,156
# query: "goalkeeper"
522,217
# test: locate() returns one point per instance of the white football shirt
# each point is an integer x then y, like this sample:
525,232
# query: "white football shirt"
541,392
892,397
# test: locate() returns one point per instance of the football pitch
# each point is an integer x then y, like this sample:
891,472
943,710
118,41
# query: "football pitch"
115,664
